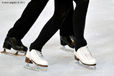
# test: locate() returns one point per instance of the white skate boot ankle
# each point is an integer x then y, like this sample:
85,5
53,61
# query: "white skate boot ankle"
84,56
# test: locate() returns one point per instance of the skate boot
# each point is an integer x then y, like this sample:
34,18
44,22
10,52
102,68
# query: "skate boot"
12,42
67,40
84,56
35,61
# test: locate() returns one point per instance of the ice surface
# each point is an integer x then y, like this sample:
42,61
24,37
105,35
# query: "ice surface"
99,34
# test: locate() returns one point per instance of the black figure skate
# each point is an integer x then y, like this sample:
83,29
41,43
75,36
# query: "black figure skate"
13,43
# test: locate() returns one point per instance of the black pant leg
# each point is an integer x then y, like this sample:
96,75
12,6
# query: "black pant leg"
67,26
29,16
61,11
79,22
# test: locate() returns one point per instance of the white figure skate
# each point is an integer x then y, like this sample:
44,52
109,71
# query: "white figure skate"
84,56
35,61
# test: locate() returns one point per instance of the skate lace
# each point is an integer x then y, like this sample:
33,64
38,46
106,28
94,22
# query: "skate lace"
87,53
39,54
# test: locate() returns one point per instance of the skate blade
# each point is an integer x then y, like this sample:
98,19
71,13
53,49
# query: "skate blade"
92,67
35,67
89,66
16,53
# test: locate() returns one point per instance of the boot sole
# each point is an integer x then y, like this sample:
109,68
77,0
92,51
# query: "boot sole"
9,53
27,60
82,62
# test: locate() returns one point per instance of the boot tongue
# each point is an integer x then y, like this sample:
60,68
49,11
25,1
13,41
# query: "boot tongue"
39,53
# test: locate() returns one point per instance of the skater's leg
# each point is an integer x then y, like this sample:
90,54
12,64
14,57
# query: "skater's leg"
66,30
79,22
81,50
67,26
23,24
29,16
61,12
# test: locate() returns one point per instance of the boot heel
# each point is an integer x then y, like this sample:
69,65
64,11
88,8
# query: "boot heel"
76,58
27,60
7,46
4,51
63,43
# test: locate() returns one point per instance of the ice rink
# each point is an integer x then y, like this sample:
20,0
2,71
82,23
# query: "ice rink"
99,33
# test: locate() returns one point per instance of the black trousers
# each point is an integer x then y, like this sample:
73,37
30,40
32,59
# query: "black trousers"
62,9
29,16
